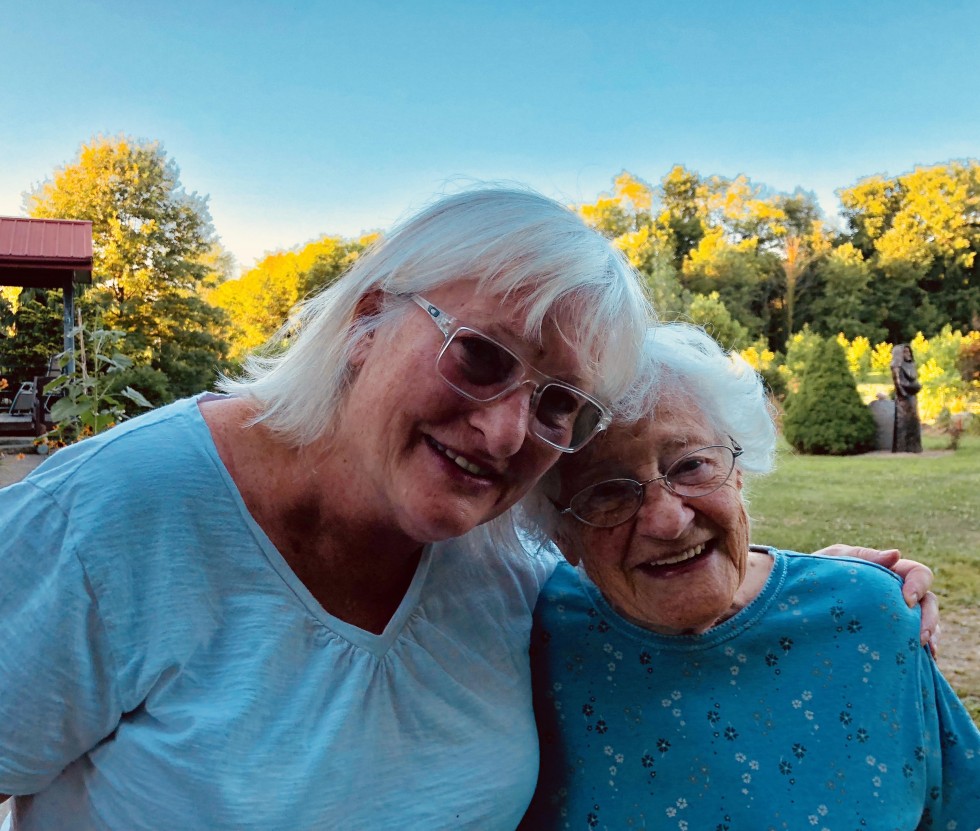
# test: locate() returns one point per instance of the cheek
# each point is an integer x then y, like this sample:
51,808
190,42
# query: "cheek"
536,459
603,552
739,540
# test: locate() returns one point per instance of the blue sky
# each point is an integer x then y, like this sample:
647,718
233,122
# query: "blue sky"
305,118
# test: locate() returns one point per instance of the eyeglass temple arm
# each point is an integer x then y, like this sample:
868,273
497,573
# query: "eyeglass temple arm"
445,321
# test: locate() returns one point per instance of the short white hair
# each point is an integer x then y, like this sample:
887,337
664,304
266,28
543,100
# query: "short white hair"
680,359
516,244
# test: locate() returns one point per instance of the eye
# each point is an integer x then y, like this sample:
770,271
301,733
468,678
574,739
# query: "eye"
604,500
483,362
557,407
695,468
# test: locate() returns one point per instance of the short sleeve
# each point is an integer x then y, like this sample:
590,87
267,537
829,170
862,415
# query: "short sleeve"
58,697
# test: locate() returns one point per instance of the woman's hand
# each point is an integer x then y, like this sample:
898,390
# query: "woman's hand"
917,577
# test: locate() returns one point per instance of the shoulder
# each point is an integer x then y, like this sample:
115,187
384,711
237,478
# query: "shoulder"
848,594
135,449
142,501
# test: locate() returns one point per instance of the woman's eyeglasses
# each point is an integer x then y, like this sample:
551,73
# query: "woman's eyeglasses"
695,474
480,369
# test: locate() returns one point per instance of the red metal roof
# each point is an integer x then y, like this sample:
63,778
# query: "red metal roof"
46,243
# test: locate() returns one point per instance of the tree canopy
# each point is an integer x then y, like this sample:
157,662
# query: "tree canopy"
153,250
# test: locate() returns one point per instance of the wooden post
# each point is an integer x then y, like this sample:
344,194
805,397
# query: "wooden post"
69,320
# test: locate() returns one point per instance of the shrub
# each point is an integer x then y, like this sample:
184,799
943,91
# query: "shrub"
968,360
826,416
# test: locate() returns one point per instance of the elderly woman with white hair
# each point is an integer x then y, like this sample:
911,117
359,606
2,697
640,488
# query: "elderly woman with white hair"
685,679
247,611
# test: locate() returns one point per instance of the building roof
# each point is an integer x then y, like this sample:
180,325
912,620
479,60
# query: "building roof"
44,252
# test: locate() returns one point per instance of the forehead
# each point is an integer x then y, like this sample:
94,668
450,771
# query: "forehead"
673,426
548,344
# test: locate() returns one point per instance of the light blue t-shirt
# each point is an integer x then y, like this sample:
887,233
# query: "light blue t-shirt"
814,707
161,667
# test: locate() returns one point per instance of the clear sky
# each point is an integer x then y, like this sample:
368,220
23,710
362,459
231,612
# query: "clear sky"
303,118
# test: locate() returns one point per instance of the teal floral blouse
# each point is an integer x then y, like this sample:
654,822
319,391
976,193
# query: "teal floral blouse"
814,707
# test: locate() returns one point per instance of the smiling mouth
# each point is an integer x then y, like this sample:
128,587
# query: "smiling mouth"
683,557
459,461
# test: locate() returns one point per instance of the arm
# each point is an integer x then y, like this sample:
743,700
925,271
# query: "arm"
915,589
951,743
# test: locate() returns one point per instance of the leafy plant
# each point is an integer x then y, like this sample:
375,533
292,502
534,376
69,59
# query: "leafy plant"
90,401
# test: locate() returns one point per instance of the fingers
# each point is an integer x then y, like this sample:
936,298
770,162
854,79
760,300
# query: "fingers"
918,580
886,557
929,631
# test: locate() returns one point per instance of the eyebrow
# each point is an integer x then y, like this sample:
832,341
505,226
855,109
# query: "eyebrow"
508,337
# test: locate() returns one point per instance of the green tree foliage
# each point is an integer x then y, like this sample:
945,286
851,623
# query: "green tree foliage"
826,415
259,302
153,251
708,311
739,272
842,299
37,335
920,232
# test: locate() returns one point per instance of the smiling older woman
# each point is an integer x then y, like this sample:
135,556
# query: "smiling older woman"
246,611
685,680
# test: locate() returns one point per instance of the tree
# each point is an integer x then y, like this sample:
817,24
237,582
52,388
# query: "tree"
739,272
710,312
153,247
920,233
259,302
842,299
38,335
826,416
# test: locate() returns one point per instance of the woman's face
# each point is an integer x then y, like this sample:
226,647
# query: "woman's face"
676,566
426,461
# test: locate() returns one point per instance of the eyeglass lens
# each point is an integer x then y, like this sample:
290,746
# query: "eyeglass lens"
483,370
694,474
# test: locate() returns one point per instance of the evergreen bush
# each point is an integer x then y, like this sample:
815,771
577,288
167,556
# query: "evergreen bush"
826,416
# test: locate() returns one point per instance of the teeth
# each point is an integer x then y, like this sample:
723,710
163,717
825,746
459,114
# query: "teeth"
680,558
467,465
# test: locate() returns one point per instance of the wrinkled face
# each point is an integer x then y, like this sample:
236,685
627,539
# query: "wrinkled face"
427,462
676,566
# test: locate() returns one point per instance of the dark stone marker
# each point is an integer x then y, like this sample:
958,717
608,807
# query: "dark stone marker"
883,410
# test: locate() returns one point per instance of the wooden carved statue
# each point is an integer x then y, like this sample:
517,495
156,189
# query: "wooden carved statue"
908,432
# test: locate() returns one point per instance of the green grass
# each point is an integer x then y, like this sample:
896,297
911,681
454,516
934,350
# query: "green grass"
928,506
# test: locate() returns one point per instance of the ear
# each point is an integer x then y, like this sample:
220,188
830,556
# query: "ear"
738,479
368,306
568,543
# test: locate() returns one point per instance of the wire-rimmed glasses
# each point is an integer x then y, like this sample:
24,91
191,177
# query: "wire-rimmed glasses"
483,370
615,501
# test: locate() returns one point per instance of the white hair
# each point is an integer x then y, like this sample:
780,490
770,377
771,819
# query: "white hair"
515,244
680,361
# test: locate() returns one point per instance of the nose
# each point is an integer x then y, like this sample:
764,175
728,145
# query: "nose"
504,422
663,515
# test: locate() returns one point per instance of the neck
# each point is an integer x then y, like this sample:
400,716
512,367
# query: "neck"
307,502
757,570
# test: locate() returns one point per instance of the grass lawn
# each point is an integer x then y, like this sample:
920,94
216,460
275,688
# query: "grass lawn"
926,505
